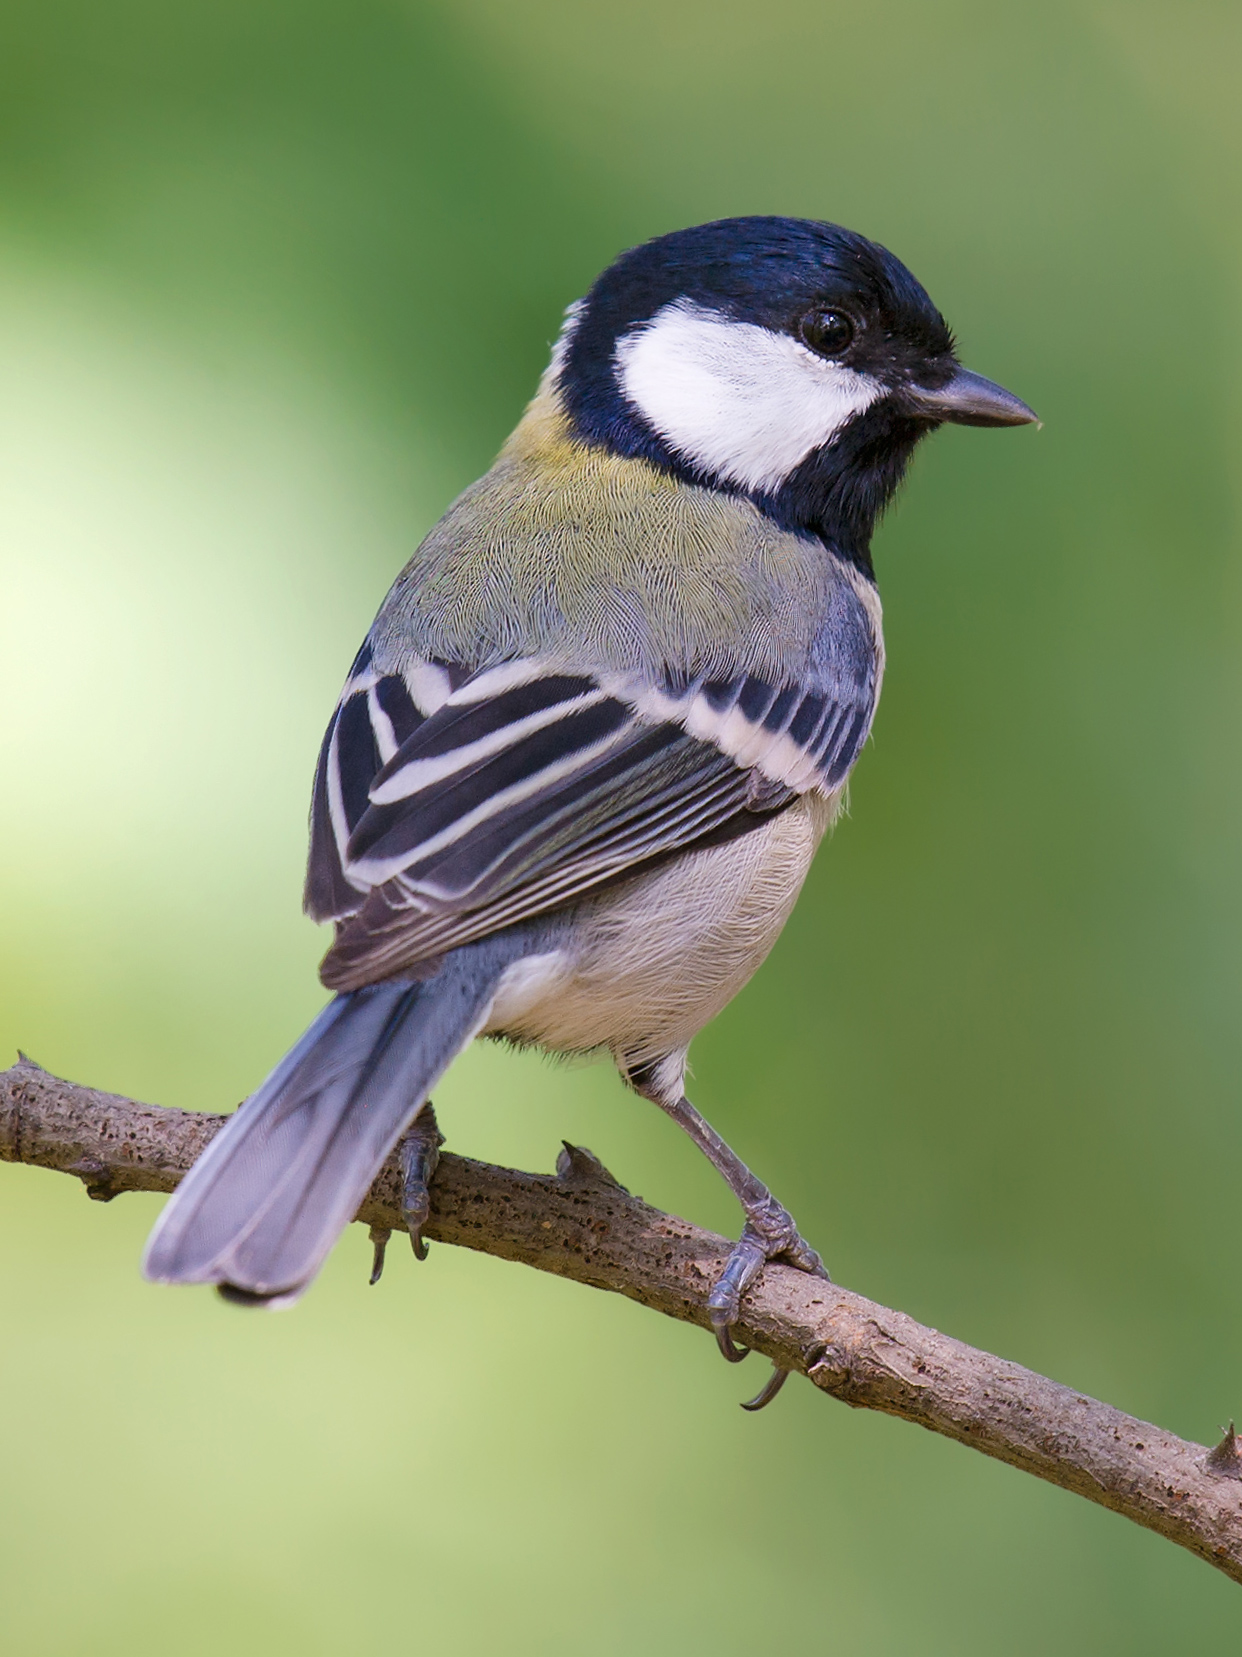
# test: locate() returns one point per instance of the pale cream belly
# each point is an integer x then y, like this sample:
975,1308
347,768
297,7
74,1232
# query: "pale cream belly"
647,964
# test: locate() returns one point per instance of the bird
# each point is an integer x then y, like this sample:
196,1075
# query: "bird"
600,725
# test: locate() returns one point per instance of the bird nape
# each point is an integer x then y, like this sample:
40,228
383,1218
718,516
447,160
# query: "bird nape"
583,760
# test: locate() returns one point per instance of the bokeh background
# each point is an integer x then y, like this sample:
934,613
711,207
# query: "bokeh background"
275,281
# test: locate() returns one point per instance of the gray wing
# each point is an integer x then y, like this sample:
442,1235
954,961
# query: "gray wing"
449,805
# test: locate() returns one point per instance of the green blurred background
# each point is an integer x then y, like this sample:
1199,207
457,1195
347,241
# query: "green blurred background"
275,281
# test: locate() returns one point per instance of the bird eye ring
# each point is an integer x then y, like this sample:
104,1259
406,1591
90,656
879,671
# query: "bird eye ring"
830,333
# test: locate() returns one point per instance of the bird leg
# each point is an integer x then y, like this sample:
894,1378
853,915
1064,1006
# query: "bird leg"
419,1154
768,1234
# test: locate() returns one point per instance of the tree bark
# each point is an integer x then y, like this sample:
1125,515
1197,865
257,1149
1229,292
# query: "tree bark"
580,1224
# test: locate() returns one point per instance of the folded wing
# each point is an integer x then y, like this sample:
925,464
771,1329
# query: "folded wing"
450,804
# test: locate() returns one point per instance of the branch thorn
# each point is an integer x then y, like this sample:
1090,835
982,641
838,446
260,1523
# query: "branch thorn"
1225,1460
575,1165
96,1177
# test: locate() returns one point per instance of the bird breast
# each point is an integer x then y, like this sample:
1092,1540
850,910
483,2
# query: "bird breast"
640,969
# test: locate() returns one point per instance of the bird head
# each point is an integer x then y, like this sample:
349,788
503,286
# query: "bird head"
790,361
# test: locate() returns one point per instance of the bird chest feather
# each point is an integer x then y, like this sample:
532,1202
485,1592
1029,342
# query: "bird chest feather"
621,566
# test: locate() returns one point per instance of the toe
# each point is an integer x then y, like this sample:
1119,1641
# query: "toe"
805,1258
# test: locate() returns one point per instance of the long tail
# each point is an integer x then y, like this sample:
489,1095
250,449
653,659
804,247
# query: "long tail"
267,1199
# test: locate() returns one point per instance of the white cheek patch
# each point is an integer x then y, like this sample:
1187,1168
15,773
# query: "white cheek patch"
738,400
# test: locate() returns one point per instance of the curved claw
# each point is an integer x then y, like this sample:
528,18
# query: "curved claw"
379,1242
417,1242
769,1390
724,1340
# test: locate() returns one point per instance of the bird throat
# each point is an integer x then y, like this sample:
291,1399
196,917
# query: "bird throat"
839,492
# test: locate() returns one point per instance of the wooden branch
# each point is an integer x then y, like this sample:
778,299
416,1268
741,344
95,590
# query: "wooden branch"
579,1223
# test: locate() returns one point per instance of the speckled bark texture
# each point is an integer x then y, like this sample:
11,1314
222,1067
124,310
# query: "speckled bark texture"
580,1223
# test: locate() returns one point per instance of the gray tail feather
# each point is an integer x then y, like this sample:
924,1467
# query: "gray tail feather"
263,1205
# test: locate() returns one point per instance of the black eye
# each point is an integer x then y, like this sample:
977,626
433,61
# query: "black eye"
828,332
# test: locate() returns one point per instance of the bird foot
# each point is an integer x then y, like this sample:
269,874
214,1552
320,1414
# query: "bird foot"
769,1234
419,1154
